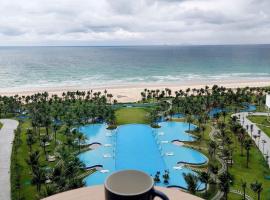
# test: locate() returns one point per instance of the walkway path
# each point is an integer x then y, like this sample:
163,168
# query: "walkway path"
241,194
244,121
223,164
219,194
6,139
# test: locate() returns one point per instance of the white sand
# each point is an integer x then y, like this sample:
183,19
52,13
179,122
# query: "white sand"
132,93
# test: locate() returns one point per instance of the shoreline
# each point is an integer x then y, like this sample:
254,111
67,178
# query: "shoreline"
132,92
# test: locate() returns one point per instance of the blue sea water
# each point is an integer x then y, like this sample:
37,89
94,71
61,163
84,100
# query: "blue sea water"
35,67
140,147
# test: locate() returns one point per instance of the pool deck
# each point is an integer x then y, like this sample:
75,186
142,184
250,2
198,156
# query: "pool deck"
97,193
6,139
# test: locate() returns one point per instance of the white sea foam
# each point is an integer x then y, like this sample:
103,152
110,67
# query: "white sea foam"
23,69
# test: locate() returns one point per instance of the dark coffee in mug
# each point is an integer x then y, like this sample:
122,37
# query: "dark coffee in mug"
131,185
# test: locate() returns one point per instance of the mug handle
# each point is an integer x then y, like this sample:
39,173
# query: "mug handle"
159,194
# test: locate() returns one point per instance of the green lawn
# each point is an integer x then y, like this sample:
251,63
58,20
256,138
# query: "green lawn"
233,196
257,170
132,115
1,125
261,122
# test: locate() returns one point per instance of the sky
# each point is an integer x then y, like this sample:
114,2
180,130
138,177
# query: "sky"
134,22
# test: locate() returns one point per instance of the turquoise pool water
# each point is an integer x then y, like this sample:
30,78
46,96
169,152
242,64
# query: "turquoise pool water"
247,108
140,147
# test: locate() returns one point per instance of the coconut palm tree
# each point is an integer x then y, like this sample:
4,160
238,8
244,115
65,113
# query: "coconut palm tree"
189,121
30,140
257,188
81,139
205,177
248,145
244,187
212,146
192,182
224,114
38,177
43,143
241,138
225,180
33,159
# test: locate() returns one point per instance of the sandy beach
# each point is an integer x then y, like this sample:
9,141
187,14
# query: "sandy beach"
132,93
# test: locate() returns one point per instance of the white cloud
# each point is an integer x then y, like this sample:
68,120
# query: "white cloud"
93,22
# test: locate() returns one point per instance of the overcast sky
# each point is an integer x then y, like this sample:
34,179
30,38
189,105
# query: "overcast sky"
134,22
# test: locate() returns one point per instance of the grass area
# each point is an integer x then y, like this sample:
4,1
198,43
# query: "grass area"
261,108
257,170
261,122
24,188
132,116
232,196
1,125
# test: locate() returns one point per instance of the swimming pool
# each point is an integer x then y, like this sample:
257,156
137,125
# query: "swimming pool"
140,147
246,108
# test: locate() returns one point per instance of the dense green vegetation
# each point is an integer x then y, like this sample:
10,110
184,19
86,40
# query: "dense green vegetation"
44,158
232,144
262,122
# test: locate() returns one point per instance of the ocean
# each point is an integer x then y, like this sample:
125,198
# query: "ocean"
23,68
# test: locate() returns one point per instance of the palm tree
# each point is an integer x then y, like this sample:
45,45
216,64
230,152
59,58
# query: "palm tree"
203,128
241,137
257,188
44,141
192,182
225,180
110,96
244,186
248,144
30,140
212,146
224,114
213,169
33,159
55,128
189,121
38,177
81,139
204,177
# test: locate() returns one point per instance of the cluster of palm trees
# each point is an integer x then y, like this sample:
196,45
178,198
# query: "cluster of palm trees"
155,94
194,181
53,115
196,105
65,175
245,142
50,116
256,187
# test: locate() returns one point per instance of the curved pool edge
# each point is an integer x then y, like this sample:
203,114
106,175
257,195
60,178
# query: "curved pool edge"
104,130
